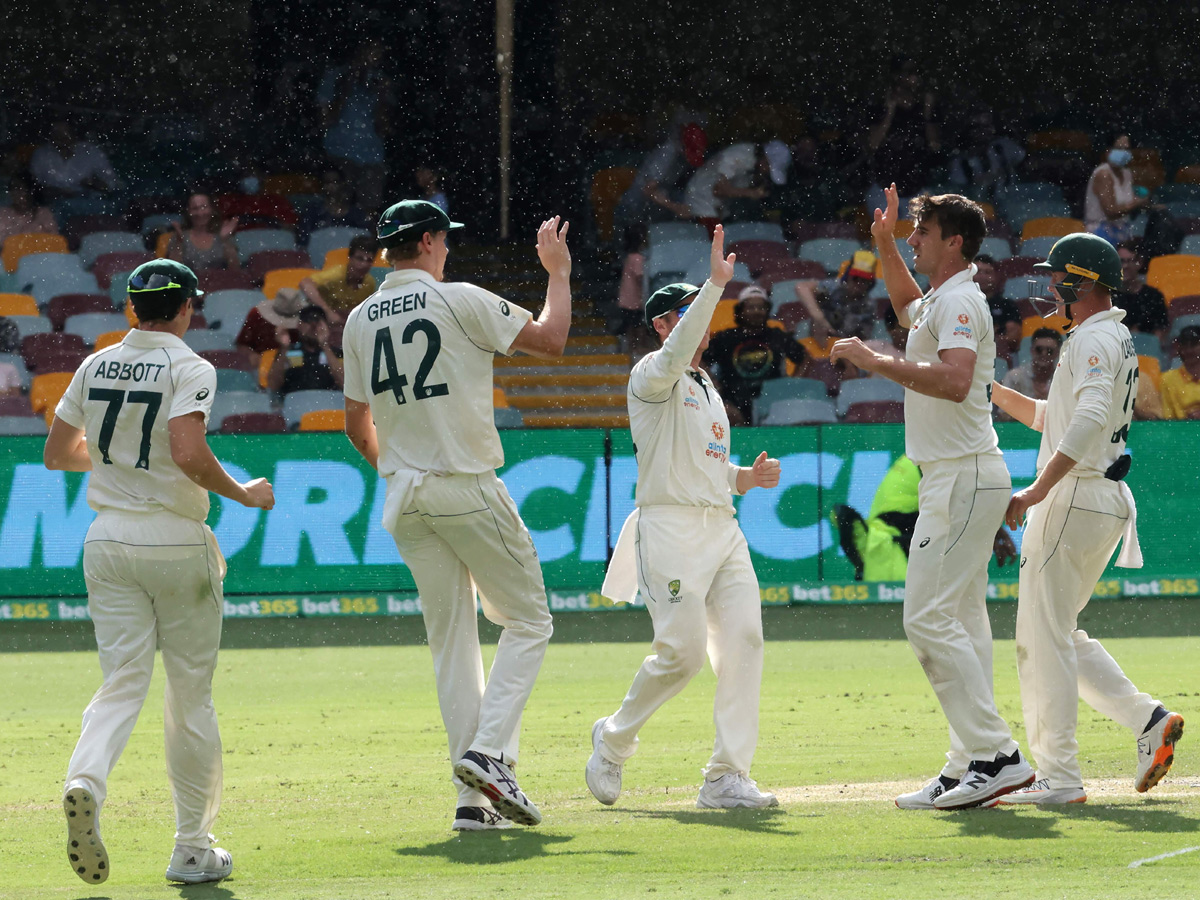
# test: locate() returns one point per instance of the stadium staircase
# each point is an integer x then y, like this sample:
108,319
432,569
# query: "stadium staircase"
585,388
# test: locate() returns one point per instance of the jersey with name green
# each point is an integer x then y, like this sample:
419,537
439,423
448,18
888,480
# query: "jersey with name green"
419,352
123,397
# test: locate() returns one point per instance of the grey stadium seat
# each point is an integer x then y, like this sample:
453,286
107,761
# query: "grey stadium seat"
776,390
864,390
234,403
297,403
802,412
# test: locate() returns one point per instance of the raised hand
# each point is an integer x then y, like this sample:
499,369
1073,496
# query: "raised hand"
765,471
552,247
721,266
228,227
884,226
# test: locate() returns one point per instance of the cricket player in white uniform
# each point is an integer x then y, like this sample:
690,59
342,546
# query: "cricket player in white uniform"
134,416
1079,508
947,374
418,363
683,549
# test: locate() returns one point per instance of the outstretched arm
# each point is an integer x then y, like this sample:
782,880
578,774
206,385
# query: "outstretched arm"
546,337
901,287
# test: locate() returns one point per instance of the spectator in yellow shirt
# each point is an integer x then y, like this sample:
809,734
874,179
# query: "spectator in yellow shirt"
1181,387
339,289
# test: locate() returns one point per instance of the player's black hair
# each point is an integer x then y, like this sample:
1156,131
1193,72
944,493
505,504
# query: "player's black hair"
363,243
312,313
954,215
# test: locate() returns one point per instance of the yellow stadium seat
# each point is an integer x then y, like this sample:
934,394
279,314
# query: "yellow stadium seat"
46,390
903,229
339,256
1050,226
264,366
291,183
18,245
18,305
499,398
1059,139
1176,275
160,248
1030,324
108,338
723,316
130,315
323,420
607,187
284,278
1150,367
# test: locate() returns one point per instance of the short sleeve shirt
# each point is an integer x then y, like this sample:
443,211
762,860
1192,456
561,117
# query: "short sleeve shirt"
420,353
123,397
954,315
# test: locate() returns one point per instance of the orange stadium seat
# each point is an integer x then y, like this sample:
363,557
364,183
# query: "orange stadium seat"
323,420
108,338
18,305
1059,139
1050,226
1030,324
284,278
264,366
607,187
19,245
723,316
499,398
1176,275
1150,368
1188,175
46,390
160,248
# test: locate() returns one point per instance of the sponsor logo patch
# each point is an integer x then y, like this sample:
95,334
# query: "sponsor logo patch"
718,431
963,331
504,308
924,543
691,403
673,587
717,451
963,318
203,394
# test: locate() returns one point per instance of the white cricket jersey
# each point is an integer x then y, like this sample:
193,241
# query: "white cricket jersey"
680,430
1094,387
419,352
123,397
953,315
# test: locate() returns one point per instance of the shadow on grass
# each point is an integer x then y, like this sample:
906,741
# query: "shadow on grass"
767,821
206,891
1156,816
1006,823
1146,815
492,847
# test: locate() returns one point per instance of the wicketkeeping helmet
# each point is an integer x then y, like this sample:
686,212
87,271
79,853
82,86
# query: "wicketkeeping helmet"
1086,260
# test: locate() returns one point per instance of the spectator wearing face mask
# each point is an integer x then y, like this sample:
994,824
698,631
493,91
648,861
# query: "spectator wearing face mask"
1110,201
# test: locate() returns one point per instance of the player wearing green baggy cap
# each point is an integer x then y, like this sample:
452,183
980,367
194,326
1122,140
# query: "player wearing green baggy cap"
134,416
683,550
1076,512
418,384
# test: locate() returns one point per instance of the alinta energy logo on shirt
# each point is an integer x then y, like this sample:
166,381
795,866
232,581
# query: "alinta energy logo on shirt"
963,328
718,431
716,449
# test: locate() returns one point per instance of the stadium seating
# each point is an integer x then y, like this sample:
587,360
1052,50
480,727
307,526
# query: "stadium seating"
1016,267
77,227
31,325
1184,209
157,223
829,252
753,231
1037,248
1058,140
508,418
875,412
669,232
90,325
801,412
1018,191
499,398
675,257
236,380
259,239
46,390
101,242
866,390
265,261
281,278
224,280
759,255
229,359
323,240
16,406
36,266
1175,275
208,340
108,338
339,256
1181,323
1030,324
17,362
22,425
995,247
255,211
603,195
1187,305
226,310
323,420
227,403
791,313
18,305
699,272
1018,212
776,390
1050,227
253,423
18,246
297,403
287,183
106,267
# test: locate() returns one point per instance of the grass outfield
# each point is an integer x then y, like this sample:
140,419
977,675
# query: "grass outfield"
336,778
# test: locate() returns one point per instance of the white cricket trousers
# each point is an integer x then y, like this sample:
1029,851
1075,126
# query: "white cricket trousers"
154,579
695,574
961,505
463,532
1069,538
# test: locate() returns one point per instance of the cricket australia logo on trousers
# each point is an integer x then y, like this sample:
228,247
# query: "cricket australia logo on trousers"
673,587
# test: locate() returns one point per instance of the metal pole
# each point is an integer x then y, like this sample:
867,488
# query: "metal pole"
504,53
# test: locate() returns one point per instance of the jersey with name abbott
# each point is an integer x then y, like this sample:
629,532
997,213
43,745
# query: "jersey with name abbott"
123,397
1097,371
951,316
420,353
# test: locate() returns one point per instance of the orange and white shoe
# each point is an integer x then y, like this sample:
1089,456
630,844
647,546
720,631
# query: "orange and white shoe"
1041,794
1156,748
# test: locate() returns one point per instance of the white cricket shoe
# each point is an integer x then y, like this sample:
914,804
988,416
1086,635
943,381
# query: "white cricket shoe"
192,866
85,849
496,781
603,776
923,797
731,791
478,818
1156,749
1040,794
986,780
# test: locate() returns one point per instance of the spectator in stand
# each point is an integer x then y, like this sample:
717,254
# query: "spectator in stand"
813,191
337,208
1111,200
1006,317
202,241
339,289
629,323
905,138
24,213
429,183
750,353
356,103
657,190
1145,307
897,338
260,331
1181,386
309,363
65,167
842,307
732,183
10,336
989,161
1033,378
